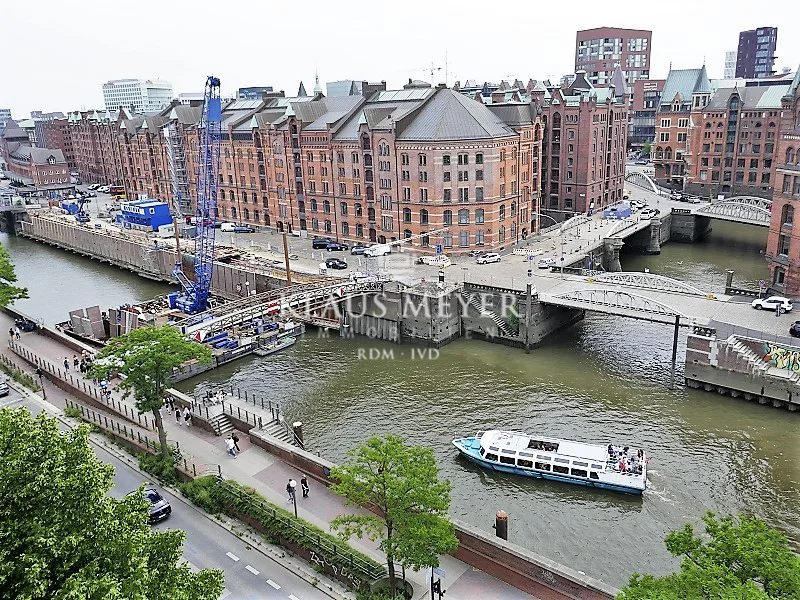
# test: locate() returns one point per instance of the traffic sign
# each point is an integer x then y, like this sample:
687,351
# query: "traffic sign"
439,249
762,283
531,257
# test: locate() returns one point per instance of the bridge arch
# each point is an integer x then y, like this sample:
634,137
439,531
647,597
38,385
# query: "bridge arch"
575,221
648,281
643,180
616,302
741,209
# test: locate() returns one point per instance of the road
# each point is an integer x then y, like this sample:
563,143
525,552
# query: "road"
249,575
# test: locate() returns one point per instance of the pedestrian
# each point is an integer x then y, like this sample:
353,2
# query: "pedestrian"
66,364
290,489
231,445
304,485
171,401
11,333
83,354
166,405
83,367
75,362
235,439
187,415
178,417
17,332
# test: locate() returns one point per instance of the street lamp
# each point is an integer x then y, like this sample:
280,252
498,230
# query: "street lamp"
293,486
41,382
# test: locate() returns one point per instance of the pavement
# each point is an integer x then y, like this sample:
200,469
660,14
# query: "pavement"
268,475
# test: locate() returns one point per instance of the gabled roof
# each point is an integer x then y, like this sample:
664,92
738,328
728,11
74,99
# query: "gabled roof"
513,114
753,98
619,83
38,156
14,132
684,83
794,85
449,115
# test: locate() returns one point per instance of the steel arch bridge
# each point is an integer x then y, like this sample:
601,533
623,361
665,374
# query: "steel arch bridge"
642,180
616,302
575,221
648,281
739,209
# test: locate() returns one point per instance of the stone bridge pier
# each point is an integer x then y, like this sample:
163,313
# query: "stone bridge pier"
611,248
688,227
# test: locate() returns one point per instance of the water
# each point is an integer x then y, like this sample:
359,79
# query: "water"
605,379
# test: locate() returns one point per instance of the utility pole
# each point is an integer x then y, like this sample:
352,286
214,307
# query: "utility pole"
286,259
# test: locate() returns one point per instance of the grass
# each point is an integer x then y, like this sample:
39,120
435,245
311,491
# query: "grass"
20,377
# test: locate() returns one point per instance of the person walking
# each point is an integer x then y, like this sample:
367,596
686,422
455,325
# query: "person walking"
290,489
304,485
187,415
75,362
11,333
66,364
171,402
17,332
231,445
178,417
235,439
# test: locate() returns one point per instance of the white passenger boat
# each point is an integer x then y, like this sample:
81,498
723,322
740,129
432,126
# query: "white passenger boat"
610,467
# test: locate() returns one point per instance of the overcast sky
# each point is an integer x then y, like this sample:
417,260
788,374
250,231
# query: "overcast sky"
56,54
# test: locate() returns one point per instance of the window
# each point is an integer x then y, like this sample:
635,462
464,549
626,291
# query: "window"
663,137
345,228
521,462
502,211
423,194
423,160
423,217
463,159
326,207
479,194
560,469
342,189
479,158
479,175
328,228
479,216
513,209
448,195
509,460
386,223
463,175
404,159
386,202
447,176
502,190
463,217
580,473
446,159
343,208
406,215
479,238
463,238
783,244
406,194
542,466
447,217
666,123
491,456
463,194
359,230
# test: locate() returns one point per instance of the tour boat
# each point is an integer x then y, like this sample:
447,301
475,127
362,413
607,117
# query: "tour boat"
610,467
275,345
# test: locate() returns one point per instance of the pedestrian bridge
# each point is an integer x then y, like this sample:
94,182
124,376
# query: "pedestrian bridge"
751,210
642,180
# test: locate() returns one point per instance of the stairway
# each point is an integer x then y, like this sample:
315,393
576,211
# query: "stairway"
277,429
221,424
756,365
475,302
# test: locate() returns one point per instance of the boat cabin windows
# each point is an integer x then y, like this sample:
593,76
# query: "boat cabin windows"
524,463
482,451
542,466
593,475
507,460
594,466
564,461
490,456
546,446
541,457
560,469
578,463
495,448
579,472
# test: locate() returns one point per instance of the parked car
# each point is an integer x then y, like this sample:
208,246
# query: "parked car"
546,263
293,257
243,229
321,243
358,250
772,303
794,330
159,507
5,390
336,247
90,194
378,250
335,263
25,324
491,257
641,161
693,199
104,189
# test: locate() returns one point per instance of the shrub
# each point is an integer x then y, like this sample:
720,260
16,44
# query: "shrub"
20,377
161,467
72,411
201,492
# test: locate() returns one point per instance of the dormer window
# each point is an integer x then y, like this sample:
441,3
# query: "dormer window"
51,160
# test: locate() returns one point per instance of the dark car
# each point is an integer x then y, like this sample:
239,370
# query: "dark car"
358,250
794,330
336,247
25,324
159,507
335,263
641,161
243,229
321,243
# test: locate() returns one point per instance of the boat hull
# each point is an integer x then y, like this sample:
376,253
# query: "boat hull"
468,448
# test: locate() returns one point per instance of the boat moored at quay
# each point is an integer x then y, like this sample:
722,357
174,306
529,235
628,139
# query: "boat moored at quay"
621,469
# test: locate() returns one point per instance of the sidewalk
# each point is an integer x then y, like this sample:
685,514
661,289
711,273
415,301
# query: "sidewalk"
268,475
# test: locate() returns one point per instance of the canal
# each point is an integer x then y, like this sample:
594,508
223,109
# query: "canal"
605,379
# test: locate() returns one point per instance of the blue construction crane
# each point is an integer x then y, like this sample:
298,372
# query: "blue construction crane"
194,297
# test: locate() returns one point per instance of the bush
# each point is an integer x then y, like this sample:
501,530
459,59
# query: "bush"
20,377
380,595
162,468
201,492
72,411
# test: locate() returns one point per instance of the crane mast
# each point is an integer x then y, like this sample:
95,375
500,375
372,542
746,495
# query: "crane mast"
195,293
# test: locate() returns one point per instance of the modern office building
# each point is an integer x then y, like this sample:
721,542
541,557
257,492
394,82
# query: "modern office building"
755,57
350,87
253,92
642,121
137,95
599,51
5,116
730,65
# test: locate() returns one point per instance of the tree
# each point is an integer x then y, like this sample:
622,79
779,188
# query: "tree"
743,559
9,292
64,537
147,357
646,148
403,483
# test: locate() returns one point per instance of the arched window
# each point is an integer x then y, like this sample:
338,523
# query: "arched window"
406,215
708,125
556,120
502,211
358,210
345,228
244,196
254,198
447,217
326,206
233,212
246,214
463,217
789,156
668,153
659,153
370,213
327,226
479,216
423,217
513,209
359,230
222,194
787,215
407,233
771,124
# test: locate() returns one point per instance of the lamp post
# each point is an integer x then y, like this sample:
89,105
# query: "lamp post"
41,382
293,486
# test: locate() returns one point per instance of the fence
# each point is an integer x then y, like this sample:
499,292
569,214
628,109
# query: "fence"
15,368
265,405
95,393
306,536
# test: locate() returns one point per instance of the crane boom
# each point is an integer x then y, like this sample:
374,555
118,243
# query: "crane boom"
195,293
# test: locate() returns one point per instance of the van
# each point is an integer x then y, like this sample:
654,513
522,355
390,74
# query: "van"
166,231
227,227
379,250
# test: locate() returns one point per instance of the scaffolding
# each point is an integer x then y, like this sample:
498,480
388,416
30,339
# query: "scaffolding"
181,199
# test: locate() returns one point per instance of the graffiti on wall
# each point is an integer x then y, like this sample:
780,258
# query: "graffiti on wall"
781,357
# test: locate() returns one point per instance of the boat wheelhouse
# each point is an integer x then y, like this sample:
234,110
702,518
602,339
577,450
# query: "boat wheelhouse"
618,468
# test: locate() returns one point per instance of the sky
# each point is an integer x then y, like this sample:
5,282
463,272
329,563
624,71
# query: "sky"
56,54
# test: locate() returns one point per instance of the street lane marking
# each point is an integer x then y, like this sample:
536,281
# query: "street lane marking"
252,570
232,556
273,584
293,597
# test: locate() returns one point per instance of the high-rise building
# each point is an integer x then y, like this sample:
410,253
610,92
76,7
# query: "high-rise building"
138,95
642,117
5,115
755,57
599,51
730,64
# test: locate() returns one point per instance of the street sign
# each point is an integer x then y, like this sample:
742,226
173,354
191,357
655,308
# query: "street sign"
531,257
439,249
438,571
762,283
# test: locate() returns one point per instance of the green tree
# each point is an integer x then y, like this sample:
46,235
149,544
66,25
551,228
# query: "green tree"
9,292
63,537
403,483
646,147
147,357
742,559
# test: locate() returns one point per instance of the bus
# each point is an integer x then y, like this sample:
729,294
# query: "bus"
117,192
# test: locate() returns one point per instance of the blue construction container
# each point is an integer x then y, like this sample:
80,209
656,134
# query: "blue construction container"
147,215
617,212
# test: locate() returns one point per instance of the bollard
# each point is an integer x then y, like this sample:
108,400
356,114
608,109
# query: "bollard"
501,524
297,427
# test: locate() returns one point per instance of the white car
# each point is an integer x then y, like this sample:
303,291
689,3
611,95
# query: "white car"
773,303
378,250
491,257
546,263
